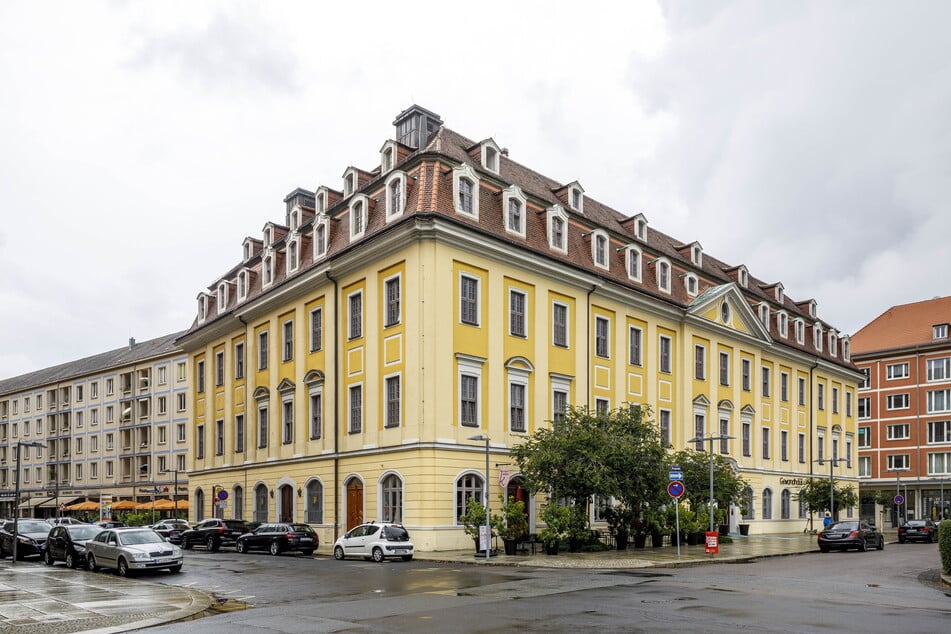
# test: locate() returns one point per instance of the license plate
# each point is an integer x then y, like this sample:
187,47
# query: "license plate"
162,561
306,540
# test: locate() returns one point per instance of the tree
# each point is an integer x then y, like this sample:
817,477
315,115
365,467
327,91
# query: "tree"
815,494
728,485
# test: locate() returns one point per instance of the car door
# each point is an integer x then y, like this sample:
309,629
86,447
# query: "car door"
56,542
98,548
371,535
353,541
110,550
259,536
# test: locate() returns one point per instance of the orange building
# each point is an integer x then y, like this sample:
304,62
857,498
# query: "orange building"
904,409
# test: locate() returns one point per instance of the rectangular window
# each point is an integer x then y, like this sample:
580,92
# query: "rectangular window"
392,302
262,350
162,405
109,469
821,396
110,388
898,432
698,430
939,463
182,401
784,445
664,353
747,371
601,337
939,431
867,378
239,433
316,415
898,462
724,432
517,407
865,407
110,442
766,443
93,392
200,442
219,368
393,401
848,453
559,405
865,438
821,447
865,467
602,406
802,449
469,400
517,313
724,368
634,345
665,428
784,386
356,409
355,321
288,343
897,401
316,329
896,371
848,404
835,400
200,377
765,381
262,425
239,361
162,376
287,421
79,393
939,401
939,369
219,437
747,439
469,300
559,325
699,363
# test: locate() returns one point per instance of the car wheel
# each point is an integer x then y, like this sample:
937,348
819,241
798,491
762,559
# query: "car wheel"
863,546
48,558
881,543
177,568
91,563
212,545
70,560
122,567
338,553
240,547
901,540
307,552
407,558
186,545
823,549
377,554
275,548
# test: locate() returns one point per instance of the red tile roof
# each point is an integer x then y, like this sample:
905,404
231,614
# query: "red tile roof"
903,326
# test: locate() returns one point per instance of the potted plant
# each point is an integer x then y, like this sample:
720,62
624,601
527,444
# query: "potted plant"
473,519
744,527
619,521
557,518
656,520
578,532
512,524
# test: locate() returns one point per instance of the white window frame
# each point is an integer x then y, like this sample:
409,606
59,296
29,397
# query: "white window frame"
763,310
891,398
898,431
292,255
388,156
663,272
491,156
513,292
938,369
575,190
351,333
800,330
640,227
518,376
478,299
567,325
465,171
601,249
399,177
554,214
939,405
817,336
469,366
267,268
321,236
351,390
638,358
387,409
359,209
317,391
509,195
633,263
892,462
202,316
691,284
221,297
743,276
896,371
782,321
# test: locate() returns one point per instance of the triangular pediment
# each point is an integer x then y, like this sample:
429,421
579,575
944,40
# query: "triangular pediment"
285,385
701,401
726,306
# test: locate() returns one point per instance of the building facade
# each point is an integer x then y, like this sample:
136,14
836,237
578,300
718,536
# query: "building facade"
904,408
345,365
114,424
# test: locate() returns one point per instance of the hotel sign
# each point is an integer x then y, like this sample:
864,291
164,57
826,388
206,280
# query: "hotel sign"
796,482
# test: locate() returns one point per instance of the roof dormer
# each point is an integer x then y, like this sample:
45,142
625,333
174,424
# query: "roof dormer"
763,311
268,234
465,191
741,274
202,306
782,323
244,284
514,210
572,196
221,296
350,181
490,155
833,342
692,251
846,348
817,336
415,126
808,306
388,157
639,223
395,195
250,247
556,224
776,290
359,212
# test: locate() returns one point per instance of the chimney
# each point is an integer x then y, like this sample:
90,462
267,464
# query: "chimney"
131,342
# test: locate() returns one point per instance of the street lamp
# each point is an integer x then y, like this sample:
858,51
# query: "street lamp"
832,462
16,495
174,489
898,512
485,493
711,439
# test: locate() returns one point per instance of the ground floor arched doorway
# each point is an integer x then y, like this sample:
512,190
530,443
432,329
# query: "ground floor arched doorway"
287,503
354,502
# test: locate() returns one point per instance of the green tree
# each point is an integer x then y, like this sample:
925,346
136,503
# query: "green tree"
636,461
815,493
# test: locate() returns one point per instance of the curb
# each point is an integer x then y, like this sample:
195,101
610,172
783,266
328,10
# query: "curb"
199,603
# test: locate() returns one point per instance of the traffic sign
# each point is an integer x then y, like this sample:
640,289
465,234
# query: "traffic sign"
675,475
899,499
222,495
676,489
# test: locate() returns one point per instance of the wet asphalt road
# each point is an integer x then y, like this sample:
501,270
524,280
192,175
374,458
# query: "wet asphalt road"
887,591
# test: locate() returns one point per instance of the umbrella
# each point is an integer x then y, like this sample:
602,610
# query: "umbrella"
84,506
124,505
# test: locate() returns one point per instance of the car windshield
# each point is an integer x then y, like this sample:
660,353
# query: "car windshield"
844,526
83,531
301,528
916,523
33,527
139,537
395,534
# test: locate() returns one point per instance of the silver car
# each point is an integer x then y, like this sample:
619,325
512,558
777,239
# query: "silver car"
129,550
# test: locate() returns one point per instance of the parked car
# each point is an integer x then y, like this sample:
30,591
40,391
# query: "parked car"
918,530
279,538
67,542
55,521
214,533
128,549
376,541
851,534
109,524
31,535
171,529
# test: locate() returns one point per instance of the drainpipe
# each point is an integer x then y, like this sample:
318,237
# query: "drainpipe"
336,374
922,433
594,287
812,429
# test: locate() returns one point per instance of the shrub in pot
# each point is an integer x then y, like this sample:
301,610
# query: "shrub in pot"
473,519
512,524
557,518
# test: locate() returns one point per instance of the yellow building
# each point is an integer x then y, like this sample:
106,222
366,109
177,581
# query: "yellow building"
343,367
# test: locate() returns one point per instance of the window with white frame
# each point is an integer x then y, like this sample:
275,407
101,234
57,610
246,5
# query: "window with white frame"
355,315
784,386
640,227
287,347
263,430
221,297
746,369
391,498
896,371
664,354
518,400
316,411
743,276
835,400
576,198
239,433
316,329
490,156
699,362
294,219
358,216
664,417
244,283
267,268
939,463
833,343
392,413
724,368
262,350
293,255
632,256
800,330
939,369
939,401
865,437
865,466
939,332
469,300
635,338
602,406
247,249
699,429
465,191
782,321
901,431
801,450
469,487
392,303
355,408
601,337
560,388
766,443
764,314
202,315
821,396
898,462
599,249
663,274
387,157
518,313
696,254
395,195
559,324
896,401
691,284
349,182
557,229
268,235
866,380
766,381
470,395
514,208
817,336
939,431
320,238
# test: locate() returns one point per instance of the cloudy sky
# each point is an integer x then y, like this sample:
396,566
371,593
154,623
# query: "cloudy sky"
140,142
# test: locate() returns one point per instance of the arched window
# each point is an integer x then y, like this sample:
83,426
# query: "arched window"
468,487
260,503
238,502
746,503
199,505
315,502
767,504
785,505
465,196
391,496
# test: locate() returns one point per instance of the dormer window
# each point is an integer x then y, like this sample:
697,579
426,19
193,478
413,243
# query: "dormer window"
395,195
599,249
267,269
800,328
779,293
833,343
244,278
514,208
294,219
939,332
817,336
320,237
320,200
248,249
696,254
267,235
358,216
490,156
640,227
764,314
349,182
387,157
293,255
557,229
691,284
663,274
782,323
221,298
743,276
465,191
576,197
202,307
846,349
812,308
632,263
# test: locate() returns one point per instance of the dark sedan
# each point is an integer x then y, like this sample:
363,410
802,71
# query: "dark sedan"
171,530
279,538
851,534
918,530
31,536
67,542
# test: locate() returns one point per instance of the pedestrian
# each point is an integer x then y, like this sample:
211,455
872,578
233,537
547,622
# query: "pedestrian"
827,520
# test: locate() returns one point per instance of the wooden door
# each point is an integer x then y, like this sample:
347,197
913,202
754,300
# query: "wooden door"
354,504
287,504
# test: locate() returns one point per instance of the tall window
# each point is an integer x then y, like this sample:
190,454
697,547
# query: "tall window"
663,276
601,337
517,407
239,433
559,318
600,250
316,415
802,391
316,329
219,437
315,503
634,345
199,501
698,430
465,195
664,353
238,503
287,421
469,400
392,301
559,406
356,409
517,315
468,487
724,432
665,428
765,381
557,233
262,350
783,386
391,498
699,363
785,504
469,300
288,344
767,504
746,371
260,503
821,396
392,414
766,443
784,445
355,330
262,425
802,449
747,439
514,223
239,360
200,441
200,375
724,368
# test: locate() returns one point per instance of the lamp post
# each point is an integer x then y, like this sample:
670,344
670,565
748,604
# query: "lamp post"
898,511
174,489
711,439
485,494
16,495
832,462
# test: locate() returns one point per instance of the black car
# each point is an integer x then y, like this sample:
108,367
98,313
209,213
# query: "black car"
851,534
67,542
918,530
214,533
171,530
279,538
31,535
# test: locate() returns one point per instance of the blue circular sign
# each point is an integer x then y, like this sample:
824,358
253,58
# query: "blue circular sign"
899,499
675,489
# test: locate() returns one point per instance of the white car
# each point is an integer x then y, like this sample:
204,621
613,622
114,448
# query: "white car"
375,541
130,549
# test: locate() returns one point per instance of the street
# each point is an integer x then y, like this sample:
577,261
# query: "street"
892,590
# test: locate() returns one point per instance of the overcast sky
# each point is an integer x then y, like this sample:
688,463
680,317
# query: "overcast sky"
140,142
